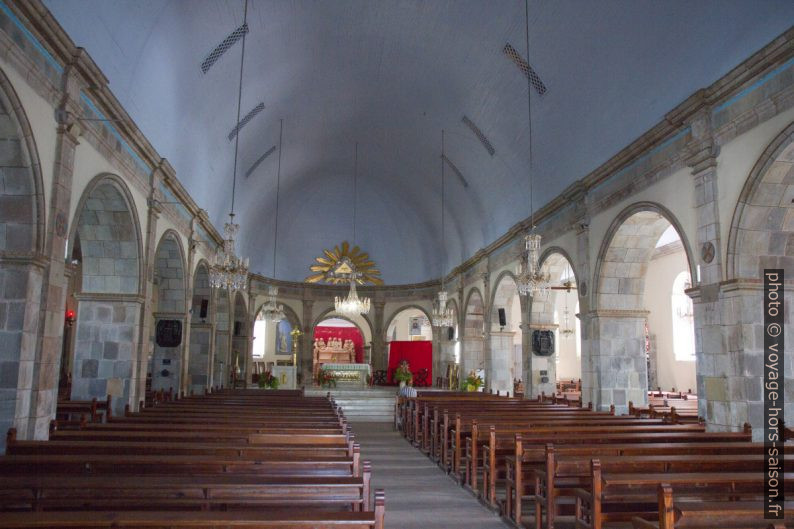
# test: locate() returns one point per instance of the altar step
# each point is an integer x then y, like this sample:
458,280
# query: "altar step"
362,405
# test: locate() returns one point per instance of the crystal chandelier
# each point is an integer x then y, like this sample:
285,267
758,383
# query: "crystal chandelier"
271,309
566,330
531,280
442,315
229,270
351,305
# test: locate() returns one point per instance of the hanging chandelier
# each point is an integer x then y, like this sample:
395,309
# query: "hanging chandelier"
272,309
531,279
352,305
566,330
229,270
442,315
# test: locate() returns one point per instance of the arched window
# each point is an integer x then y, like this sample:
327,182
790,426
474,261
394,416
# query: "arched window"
683,319
260,335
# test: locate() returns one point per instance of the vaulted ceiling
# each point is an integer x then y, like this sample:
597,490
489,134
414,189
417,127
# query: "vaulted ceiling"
391,75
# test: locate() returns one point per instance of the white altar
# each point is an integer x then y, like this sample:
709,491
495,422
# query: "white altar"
286,376
349,374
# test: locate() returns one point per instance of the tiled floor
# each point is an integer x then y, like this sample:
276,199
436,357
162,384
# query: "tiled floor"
418,494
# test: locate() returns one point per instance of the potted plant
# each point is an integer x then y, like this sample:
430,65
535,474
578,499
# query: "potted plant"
473,382
326,379
403,374
268,381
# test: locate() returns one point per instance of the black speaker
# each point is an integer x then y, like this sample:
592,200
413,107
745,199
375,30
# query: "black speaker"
205,305
450,333
168,333
502,318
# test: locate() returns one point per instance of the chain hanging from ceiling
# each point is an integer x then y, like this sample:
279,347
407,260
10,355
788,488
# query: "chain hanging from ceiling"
352,305
442,315
531,279
229,271
272,309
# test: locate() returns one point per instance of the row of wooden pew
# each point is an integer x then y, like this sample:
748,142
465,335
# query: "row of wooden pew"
544,465
232,458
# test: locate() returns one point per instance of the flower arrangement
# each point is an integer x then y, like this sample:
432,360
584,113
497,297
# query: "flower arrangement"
403,373
268,381
326,379
473,382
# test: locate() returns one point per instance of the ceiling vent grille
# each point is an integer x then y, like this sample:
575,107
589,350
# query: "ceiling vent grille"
243,122
455,170
480,136
524,66
259,161
223,47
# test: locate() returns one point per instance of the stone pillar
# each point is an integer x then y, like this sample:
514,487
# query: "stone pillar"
306,361
581,227
44,282
249,353
379,351
619,368
501,363
487,308
541,318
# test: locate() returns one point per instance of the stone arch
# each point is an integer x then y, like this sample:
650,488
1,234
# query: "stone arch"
616,368
397,312
220,363
761,236
473,335
106,241
169,303
762,228
546,314
367,331
198,365
22,237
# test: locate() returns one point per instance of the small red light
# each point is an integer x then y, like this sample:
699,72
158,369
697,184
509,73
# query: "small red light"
69,314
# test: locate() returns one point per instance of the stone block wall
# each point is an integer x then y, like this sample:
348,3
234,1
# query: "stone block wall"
105,349
199,361
167,364
221,372
501,361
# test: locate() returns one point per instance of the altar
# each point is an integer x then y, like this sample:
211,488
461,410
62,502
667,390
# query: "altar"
349,374
334,351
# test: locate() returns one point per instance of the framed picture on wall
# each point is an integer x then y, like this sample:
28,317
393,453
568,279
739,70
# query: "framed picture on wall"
283,338
415,326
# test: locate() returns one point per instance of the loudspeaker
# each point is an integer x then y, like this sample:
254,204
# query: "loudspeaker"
502,318
168,333
450,333
205,305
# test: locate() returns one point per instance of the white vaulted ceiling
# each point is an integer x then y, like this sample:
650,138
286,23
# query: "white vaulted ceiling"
390,75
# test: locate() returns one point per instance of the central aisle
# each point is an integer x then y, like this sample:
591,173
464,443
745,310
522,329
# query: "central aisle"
418,494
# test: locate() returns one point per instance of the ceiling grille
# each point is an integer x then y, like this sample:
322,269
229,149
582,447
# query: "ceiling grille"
259,161
223,47
455,170
243,122
480,136
524,66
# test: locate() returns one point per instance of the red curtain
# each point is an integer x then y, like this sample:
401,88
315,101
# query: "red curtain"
343,333
419,355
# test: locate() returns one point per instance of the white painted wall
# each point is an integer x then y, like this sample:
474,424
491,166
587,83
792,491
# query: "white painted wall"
569,364
399,328
662,271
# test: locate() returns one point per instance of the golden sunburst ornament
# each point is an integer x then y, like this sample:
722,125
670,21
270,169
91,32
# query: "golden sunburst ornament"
336,266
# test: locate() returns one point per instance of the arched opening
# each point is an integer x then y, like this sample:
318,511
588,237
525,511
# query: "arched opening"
472,349
274,344
409,337
106,246
220,362
200,331
633,346
338,339
560,366
506,336
761,237
449,355
21,237
168,313
240,362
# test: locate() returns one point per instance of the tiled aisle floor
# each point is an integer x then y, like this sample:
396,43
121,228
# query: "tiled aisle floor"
418,494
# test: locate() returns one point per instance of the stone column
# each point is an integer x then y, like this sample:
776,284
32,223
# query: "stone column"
306,361
379,352
501,363
45,284
619,368
487,308
536,368
581,226
249,354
